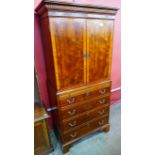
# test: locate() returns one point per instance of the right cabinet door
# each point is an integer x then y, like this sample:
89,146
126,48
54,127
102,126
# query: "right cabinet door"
99,49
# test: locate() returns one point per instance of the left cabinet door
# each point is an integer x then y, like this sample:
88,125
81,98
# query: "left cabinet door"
68,44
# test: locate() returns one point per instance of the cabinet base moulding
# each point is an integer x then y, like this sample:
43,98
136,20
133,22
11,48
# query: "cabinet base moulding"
66,147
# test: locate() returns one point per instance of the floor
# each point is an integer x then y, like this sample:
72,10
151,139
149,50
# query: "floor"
99,143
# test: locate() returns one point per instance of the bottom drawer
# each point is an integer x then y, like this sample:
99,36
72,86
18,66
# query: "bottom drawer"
81,131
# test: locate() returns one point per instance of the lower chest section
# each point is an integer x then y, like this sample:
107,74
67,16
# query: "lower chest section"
83,110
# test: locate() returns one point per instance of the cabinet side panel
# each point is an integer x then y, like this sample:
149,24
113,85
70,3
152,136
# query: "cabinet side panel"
50,67
48,54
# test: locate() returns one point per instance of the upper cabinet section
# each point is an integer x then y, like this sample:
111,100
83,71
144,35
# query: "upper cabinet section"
77,43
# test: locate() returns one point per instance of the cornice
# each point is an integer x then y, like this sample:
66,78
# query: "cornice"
49,5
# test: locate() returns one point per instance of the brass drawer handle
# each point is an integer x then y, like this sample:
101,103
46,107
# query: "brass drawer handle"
72,124
87,93
101,112
102,101
73,134
102,91
101,122
72,112
70,101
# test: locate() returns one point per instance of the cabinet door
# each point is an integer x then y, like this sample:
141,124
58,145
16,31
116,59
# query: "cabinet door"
99,49
68,41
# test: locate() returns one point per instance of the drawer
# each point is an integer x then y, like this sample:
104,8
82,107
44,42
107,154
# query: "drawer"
82,130
86,95
76,133
80,108
99,122
87,116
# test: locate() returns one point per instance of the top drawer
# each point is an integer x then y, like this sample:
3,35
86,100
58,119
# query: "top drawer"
74,97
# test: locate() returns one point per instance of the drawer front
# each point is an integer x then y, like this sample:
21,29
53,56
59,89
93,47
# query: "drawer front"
84,96
84,107
76,134
99,122
81,131
87,116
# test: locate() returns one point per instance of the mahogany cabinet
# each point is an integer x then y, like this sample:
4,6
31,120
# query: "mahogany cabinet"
77,42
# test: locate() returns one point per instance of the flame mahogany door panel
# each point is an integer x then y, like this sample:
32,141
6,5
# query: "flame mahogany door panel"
99,46
68,40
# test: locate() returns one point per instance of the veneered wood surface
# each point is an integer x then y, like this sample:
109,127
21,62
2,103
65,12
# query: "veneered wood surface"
48,54
81,54
84,96
99,45
68,48
42,141
39,113
80,108
82,90
71,123
41,137
84,129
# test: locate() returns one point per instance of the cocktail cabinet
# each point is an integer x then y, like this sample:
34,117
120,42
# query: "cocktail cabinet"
77,41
